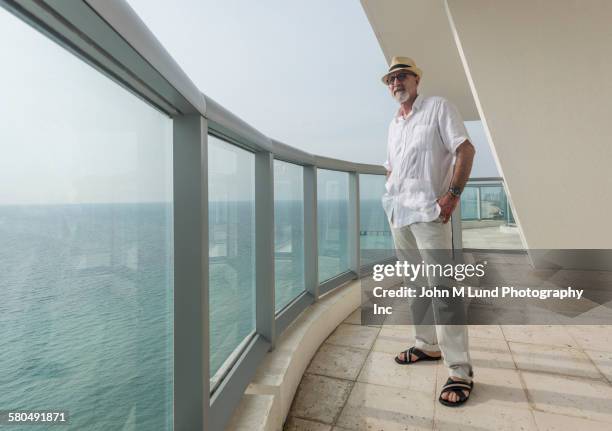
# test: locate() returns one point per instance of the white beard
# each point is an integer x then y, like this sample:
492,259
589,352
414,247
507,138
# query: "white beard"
401,96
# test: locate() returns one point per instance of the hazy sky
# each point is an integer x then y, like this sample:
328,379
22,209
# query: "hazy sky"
69,134
304,72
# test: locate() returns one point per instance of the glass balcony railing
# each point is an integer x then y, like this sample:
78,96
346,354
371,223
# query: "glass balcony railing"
332,220
289,277
231,235
486,216
154,245
375,238
86,225
486,200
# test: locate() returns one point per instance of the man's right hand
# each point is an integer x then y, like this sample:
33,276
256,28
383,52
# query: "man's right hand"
448,203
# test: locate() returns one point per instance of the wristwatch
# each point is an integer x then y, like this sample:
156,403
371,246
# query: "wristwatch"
455,191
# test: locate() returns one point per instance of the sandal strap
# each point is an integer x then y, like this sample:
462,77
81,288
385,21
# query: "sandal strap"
454,386
459,392
419,353
410,352
416,352
407,356
458,386
450,380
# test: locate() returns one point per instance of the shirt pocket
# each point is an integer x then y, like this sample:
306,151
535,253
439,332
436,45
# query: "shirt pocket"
418,156
424,137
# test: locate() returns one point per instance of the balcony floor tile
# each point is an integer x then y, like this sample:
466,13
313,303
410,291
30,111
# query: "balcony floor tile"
375,407
320,398
296,424
571,396
490,353
380,369
552,422
338,361
361,337
603,361
558,360
593,337
486,331
545,335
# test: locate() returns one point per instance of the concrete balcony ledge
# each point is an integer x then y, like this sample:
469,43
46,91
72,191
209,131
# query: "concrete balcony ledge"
267,400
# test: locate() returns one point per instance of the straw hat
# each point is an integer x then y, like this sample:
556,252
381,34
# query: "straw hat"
402,63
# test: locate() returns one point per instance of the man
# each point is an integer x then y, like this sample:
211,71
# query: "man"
425,137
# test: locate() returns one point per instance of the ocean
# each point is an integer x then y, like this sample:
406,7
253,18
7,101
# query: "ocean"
87,300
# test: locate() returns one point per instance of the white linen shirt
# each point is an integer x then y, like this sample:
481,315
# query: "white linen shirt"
420,155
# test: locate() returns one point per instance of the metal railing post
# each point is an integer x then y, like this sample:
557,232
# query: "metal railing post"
456,228
353,224
478,209
264,246
311,254
191,324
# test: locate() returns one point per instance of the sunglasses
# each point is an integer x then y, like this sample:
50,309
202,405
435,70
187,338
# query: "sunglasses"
399,76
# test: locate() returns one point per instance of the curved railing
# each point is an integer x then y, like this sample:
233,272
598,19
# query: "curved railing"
242,205
252,233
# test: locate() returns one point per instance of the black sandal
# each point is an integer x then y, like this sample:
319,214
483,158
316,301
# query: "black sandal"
418,353
458,388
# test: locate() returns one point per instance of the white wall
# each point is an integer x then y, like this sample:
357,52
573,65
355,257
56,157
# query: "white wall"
540,73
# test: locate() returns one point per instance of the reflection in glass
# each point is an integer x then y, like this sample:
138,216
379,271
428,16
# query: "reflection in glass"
288,232
492,203
469,203
376,242
231,197
332,219
86,233
486,217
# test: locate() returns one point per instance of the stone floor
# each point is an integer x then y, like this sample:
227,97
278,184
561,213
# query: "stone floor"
498,237
526,378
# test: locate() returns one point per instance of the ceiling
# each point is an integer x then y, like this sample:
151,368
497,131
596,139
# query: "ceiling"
420,29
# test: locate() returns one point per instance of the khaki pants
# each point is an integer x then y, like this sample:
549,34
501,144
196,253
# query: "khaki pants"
452,340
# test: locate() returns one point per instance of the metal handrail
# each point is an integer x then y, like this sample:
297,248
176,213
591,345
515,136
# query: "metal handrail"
111,37
130,27
486,179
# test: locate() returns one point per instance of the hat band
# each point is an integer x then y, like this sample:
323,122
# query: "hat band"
397,66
